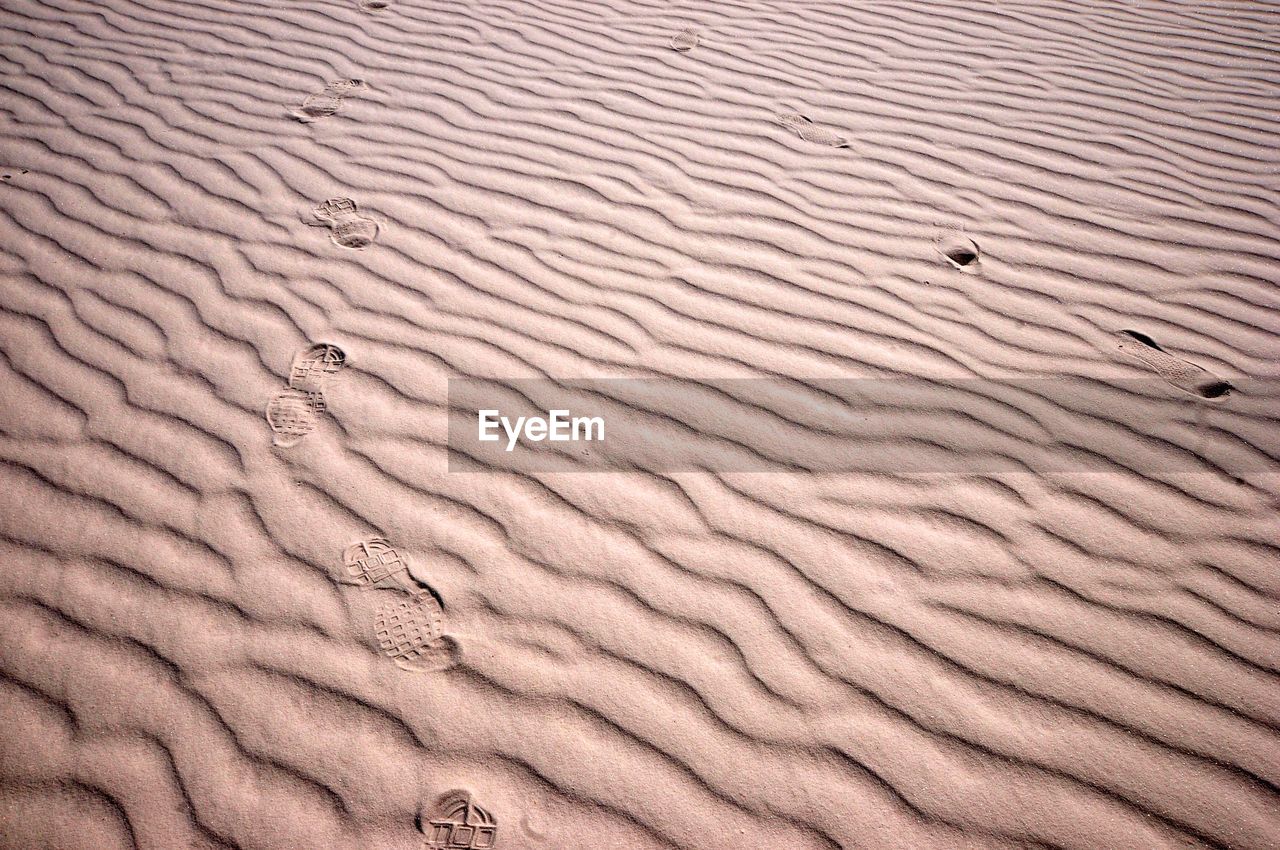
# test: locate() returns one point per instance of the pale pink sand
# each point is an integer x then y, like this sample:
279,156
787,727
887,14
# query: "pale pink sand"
572,189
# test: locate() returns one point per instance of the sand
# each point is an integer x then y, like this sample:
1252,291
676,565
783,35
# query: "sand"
250,601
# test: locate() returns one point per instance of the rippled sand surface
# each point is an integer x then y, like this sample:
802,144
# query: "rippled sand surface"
244,602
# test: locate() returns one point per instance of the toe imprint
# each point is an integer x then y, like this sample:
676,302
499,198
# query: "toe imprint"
334,209
456,821
312,367
376,562
1183,374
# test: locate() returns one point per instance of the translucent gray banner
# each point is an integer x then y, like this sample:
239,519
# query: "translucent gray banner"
891,426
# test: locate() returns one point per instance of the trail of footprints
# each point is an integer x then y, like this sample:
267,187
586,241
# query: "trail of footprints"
410,625
409,628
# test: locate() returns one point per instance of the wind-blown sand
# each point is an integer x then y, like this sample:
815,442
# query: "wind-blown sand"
246,603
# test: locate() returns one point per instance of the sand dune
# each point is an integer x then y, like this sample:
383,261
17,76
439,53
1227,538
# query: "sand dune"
246,246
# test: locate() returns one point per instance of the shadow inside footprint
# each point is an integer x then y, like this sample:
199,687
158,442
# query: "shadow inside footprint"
373,5
962,256
961,252
1182,374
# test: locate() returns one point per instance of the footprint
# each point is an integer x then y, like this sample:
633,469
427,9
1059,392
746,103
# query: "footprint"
313,367
10,173
294,410
373,5
455,821
810,132
1183,374
411,633
961,252
292,415
326,102
346,227
684,41
409,627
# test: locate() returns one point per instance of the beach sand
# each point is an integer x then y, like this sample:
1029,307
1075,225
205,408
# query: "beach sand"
248,601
